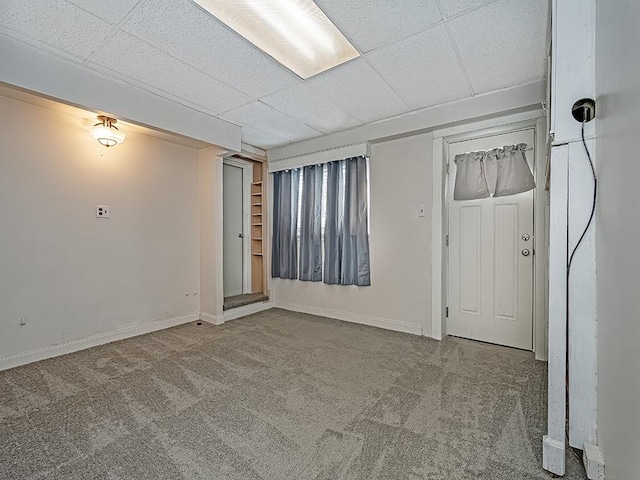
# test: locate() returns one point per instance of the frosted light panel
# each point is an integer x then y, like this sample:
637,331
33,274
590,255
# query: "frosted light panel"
294,32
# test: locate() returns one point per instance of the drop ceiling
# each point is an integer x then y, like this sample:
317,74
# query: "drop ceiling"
414,54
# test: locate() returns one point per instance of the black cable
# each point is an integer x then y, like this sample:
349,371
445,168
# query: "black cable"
584,232
593,205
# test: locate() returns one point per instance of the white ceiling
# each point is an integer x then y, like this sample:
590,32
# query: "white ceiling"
415,54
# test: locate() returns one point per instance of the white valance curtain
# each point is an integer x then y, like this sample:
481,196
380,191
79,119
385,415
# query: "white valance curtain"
498,172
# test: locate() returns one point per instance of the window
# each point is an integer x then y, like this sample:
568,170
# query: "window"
335,247
324,198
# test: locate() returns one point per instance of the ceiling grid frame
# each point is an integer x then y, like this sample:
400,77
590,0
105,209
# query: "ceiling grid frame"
114,31
361,108
457,51
157,90
363,57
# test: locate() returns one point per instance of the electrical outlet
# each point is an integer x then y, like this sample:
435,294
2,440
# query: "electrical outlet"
102,211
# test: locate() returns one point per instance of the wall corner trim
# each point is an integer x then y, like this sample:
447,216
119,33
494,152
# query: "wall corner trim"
212,319
71,346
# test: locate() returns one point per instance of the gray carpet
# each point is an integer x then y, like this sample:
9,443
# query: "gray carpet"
277,395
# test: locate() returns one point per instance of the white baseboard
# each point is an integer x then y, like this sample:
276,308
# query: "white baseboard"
212,319
246,310
71,346
553,459
380,322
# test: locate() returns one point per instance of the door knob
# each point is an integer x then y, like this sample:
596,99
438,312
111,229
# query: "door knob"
525,237
526,252
240,235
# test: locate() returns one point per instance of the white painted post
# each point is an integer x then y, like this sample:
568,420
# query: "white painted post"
438,249
582,301
554,441
210,193
573,77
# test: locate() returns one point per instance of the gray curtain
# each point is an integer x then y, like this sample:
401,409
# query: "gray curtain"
284,257
513,175
346,239
311,224
471,180
498,172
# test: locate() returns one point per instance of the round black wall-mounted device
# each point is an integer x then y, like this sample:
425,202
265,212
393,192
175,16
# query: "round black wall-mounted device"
584,110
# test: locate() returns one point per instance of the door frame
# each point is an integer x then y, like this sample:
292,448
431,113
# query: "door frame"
440,275
247,179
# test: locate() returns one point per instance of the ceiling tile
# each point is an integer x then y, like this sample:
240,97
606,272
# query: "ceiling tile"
359,90
261,139
54,23
149,66
371,24
112,10
503,44
183,29
451,8
262,117
304,103
423,69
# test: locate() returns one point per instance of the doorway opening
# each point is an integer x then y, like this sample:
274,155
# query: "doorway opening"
490,255
534,123
244,220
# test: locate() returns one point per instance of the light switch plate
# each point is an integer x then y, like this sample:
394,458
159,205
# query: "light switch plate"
422,210
102,211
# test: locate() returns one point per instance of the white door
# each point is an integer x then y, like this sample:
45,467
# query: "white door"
233,241
491,257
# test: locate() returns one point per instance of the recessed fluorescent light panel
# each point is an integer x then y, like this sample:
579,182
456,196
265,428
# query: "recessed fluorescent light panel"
294,32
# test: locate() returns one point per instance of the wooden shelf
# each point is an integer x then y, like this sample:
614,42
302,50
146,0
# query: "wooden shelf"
259,273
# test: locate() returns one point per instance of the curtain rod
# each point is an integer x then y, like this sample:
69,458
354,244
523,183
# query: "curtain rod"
318,158
475,151
320,163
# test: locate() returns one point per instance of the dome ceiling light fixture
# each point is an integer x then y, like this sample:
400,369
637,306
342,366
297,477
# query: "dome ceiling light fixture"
106,132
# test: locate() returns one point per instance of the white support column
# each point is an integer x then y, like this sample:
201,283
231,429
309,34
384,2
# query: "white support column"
582,301
438,247
573,78
554,441
210,193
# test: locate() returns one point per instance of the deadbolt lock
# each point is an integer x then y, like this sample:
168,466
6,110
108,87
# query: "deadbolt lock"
526,252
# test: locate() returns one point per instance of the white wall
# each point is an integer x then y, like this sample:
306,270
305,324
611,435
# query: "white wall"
73,275
400,293
618,261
